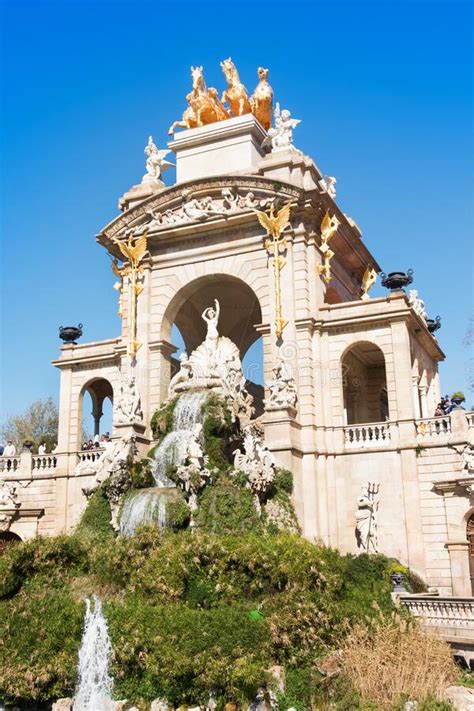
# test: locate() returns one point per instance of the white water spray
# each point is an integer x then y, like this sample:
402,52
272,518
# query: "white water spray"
94,687
174,447
143,506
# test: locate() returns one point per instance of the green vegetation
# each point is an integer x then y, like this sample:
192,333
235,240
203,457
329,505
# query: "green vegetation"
218,605
162,420
178,608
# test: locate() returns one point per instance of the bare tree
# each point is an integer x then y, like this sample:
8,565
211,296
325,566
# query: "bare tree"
39,423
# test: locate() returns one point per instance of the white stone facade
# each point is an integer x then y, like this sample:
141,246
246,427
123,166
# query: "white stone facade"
366,371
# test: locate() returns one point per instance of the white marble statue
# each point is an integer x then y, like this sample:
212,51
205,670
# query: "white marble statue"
282,387
211,317
8,504
111,462
155,163
257,462
8,495
215,365
128,408
182,377
195,450
366,518
328,185
417,304
280,137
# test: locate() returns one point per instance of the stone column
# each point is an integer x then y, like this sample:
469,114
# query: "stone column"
423,389
416,396
460,573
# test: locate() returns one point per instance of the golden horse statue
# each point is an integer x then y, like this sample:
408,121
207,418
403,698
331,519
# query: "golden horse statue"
262,100
204,105
236,93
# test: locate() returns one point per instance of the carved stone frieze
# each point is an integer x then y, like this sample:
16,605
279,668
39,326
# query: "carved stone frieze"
201,200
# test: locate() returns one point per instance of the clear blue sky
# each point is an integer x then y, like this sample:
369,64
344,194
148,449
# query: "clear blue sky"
383,90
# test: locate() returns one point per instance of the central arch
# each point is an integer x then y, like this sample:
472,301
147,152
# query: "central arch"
240,311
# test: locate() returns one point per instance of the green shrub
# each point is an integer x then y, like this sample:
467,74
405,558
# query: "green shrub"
96,516
40,635
141,476
219,433
162,420
178,513
283,481
227,508
53,558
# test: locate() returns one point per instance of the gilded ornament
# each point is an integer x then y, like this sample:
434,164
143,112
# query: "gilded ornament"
236,93
274,226
133,251
261,101
204,105
329,226
368,280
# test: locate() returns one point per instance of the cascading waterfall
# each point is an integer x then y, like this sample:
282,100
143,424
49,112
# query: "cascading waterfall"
149,505
143,506
173,448
94,687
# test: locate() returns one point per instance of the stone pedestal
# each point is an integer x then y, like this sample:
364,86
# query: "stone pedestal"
141,441
225,147
138,193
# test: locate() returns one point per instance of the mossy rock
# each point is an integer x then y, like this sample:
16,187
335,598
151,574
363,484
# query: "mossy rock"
227,508
162,420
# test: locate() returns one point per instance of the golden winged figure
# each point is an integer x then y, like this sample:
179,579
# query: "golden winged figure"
368,280
134,248
329,227
275,224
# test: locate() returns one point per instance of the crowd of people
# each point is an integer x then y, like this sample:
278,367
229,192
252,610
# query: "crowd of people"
97,442
445,406
10,450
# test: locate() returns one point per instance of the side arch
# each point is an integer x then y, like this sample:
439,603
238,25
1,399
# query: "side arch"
364,383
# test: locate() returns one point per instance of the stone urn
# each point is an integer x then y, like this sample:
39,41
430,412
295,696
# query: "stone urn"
397,583
396,280
70,334
433,324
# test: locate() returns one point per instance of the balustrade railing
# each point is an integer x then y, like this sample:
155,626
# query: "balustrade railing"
432,427
454,614
44,461
368,435
90,455
9,464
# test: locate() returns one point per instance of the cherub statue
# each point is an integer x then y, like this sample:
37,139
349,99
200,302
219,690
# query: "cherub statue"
328,185
155,162
280,137
417,304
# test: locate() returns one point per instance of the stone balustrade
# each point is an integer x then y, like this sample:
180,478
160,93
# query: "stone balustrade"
89,455
452,616
376,434
433,427
44,461
9,464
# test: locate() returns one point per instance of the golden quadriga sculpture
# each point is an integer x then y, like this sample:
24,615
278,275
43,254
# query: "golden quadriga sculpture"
204,105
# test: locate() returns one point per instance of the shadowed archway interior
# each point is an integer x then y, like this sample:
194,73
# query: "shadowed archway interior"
239,311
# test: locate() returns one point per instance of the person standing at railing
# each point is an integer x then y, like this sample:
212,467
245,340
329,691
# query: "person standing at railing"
10,449
42,448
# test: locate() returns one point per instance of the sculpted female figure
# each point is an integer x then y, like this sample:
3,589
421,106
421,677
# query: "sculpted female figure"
211,317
